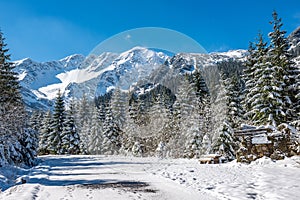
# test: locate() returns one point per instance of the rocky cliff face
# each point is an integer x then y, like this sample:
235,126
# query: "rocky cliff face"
294,39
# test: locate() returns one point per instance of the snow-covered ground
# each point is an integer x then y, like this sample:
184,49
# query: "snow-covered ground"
116,177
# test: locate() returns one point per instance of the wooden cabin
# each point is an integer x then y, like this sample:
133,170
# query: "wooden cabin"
256,144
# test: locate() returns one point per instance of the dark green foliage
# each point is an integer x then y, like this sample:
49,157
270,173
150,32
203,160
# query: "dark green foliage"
226,143
45,133
271,80
57,125
17,142
70,136
111,134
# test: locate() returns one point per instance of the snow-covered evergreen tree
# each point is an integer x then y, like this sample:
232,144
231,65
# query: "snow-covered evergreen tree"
13,117
271,79
218,111
235,111
176,142
137,149
285,70
190,133
84,135
130,130
203,99
161,150
252,76
70,137
35,121
118,103
57,125
45,133
194,142
30,143
96,133
111,134
226,142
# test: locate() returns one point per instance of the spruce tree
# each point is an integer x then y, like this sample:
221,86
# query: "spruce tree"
118,103
226,143
96,133
8,78
286,72
252,73
30,143
45,134
14,135
111,134
57,125
70,136
235,111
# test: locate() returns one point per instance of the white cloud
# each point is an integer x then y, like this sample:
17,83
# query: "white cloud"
128,37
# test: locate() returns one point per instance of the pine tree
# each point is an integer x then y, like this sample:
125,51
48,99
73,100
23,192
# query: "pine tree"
203,101
45,134
235,111
111,134
226,143
137,149
35,120
57,125
13,117
190,133
286,72
83,113
8,79
30,143
118,103
252,73
84,135
96,133
271,95
70,137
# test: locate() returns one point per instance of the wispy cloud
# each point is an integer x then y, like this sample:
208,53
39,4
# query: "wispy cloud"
128,37
221,48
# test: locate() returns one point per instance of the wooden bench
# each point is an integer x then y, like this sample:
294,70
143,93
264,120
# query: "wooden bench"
210,159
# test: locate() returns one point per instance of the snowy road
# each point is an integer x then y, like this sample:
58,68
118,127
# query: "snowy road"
101,177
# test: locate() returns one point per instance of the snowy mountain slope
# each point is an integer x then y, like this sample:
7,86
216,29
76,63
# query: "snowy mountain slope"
33,76
130,67
41,81
76,75
294,39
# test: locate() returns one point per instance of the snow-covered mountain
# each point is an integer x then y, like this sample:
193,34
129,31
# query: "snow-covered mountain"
40,81
76,75
128,68
294,39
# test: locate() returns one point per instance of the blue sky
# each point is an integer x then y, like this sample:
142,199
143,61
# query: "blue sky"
52,29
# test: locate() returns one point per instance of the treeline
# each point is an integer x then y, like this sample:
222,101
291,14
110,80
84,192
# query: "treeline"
132,123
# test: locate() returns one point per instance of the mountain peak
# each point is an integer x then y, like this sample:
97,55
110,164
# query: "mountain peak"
23,61
295,35
72,58
294,39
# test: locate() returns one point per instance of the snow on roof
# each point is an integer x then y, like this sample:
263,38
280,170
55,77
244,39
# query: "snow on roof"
260,139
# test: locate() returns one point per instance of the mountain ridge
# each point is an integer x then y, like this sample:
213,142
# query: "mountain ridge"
98,74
